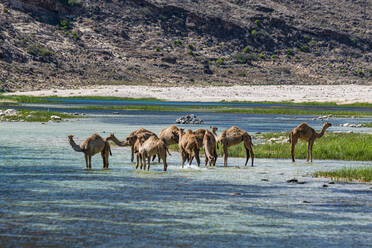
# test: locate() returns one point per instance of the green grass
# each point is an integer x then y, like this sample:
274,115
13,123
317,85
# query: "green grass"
363,174
335,146
38,116
357,104
369,124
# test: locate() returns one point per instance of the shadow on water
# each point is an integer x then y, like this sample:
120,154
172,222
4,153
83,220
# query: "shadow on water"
69,206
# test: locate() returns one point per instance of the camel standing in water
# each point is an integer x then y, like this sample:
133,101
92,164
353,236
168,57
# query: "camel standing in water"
151,147
188,146
234,136
128,142
209,145
169,136
306,133
131,140
91,146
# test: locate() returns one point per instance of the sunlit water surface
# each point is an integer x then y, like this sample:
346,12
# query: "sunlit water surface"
48,198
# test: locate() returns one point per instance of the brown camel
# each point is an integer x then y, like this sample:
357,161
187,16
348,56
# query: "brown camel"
234,136
129,141
150,147
188,146
91,146
199,134
169,136
306,133
209,145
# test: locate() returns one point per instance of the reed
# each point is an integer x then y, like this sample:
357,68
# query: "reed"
363,174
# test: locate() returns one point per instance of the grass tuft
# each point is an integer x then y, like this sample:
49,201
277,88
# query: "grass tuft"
363,174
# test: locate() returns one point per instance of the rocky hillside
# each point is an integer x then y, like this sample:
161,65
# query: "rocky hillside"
68,43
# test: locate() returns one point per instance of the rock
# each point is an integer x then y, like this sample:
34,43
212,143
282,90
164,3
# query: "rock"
189,119
305,202
2,113
264,179
55,118
115,113
235,193
325,186
10,112
331,182
28,116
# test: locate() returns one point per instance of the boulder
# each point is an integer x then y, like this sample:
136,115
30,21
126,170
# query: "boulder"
189,119
10,112
55,118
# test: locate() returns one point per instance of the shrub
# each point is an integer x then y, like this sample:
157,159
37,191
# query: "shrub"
191,47
244,58
5,10
290,52
305,49
261,56
246,49
75,36
37,50
157,49
242,74
178,43
230,71
219,62
158,33
257,22
253,32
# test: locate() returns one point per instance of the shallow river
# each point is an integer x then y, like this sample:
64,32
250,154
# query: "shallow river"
47,198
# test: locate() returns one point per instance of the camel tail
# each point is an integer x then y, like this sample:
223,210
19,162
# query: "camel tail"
290,137
166,148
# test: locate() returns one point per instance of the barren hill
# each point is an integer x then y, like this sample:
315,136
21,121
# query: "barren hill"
67,43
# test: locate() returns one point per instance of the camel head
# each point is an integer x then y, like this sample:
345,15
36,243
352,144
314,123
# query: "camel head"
175,136
111,136
181,132
69,137
130,140
213,128
326,124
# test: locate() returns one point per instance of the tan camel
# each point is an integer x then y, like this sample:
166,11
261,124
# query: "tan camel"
199,134
169,135
131,140
188,146
150,147
306,133
234,136
209,145
91,146
128,142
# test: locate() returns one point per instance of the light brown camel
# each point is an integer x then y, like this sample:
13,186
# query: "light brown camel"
199,134
169,136
306,133
150,147
131,140
209,145
188,146
234,136
91,146
128,142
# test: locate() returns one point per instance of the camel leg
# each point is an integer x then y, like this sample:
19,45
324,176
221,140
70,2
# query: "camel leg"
107,159
293,145
132,153
308,151
90,161
103,159
137,160
144,162
224,155
148,160
164,158
86,161
206,160
249,152
311,151
183,155
196,152
215,157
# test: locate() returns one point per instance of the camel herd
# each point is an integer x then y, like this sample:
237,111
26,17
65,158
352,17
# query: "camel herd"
146,145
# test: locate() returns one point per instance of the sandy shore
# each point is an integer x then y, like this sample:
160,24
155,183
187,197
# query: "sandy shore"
318,93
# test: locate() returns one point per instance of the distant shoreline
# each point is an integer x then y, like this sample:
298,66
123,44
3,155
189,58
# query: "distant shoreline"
341,94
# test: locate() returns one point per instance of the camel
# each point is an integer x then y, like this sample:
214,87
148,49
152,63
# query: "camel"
306,133
150,147
131,140
234,136
91,146
188,146
209,145
169,136
127,142
199,134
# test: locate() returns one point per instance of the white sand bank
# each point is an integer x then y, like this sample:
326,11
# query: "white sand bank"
318,93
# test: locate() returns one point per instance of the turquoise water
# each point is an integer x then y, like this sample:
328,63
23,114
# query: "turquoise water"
48,198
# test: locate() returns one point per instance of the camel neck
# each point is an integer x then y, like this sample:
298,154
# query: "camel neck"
321,133
116,141
75,146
